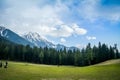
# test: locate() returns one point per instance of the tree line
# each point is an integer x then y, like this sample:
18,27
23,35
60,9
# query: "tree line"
86,56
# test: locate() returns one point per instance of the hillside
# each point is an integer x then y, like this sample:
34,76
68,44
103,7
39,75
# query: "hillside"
26,71
109,62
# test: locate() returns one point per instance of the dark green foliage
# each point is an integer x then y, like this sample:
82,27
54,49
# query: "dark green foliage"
86,56
0,64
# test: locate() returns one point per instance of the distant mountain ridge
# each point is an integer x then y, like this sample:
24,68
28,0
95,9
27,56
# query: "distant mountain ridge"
13,37
30,38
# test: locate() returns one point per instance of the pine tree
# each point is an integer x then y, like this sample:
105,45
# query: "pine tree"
89,54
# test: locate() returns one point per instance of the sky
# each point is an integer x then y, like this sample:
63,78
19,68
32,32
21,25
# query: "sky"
68,22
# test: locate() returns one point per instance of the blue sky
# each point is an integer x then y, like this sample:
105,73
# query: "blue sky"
68,22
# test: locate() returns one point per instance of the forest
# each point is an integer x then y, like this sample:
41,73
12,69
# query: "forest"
83,57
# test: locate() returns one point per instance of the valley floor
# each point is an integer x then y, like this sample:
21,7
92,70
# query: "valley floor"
27,71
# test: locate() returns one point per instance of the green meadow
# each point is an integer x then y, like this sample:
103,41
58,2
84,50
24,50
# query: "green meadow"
109,70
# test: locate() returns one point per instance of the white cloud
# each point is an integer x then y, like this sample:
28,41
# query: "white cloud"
62,40
45,19
39,13
30,17
57,31
93,10
88,11
78,30
63,30
91,38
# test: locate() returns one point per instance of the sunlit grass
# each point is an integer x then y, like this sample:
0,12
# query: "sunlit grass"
27,71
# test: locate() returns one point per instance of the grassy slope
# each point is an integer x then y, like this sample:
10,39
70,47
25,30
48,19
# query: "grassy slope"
26,71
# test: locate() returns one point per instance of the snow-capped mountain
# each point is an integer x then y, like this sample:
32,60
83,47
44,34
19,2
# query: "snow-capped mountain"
37,40
40,41
13,37
32,39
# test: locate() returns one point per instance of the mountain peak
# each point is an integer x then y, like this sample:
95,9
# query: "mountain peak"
32,33
2,28
34,36
38,40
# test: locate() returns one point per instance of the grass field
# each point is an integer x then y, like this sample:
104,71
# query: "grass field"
109,70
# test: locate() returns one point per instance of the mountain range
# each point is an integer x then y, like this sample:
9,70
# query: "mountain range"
30,38
37,40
